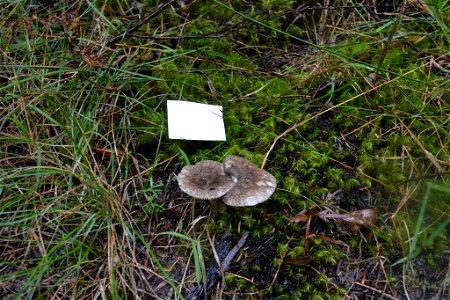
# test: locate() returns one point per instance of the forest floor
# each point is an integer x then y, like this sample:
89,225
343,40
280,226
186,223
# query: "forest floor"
346,104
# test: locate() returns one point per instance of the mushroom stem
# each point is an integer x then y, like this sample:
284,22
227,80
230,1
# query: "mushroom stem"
217,206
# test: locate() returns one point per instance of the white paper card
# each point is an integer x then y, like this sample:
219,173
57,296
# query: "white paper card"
195,121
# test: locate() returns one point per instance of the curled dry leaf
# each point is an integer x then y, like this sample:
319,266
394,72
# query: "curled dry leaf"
361,217
301,217
353,221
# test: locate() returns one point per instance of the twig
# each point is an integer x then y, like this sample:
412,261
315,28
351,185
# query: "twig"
428,154
407,195
158,10
176,38
227,261
382,293
217,269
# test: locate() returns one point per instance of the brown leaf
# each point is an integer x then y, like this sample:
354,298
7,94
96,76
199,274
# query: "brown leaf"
299,261
362,216
353,221
301,217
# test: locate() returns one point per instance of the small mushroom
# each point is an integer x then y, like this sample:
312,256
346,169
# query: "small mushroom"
253,185
205,180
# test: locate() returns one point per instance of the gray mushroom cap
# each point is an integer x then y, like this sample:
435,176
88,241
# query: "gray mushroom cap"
205,180
253,185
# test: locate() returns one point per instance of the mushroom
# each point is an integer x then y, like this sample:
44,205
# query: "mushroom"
252,184
206,180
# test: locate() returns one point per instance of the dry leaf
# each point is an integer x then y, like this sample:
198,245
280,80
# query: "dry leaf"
362,216
300,261
301,217
355,219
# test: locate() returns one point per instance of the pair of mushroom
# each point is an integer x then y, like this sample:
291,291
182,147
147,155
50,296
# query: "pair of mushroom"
238,181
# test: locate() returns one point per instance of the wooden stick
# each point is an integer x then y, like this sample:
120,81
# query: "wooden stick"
230,256
217,269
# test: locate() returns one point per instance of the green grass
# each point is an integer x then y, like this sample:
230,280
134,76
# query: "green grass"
325,99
